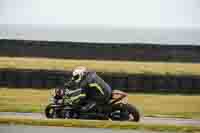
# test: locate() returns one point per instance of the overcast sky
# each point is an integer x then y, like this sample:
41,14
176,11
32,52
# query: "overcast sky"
154,21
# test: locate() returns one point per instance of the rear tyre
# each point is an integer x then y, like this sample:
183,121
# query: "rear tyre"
125,112
134,114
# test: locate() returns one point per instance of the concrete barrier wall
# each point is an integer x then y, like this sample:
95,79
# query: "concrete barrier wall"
130,83
100,51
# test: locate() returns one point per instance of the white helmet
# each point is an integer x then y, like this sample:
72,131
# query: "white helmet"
78,73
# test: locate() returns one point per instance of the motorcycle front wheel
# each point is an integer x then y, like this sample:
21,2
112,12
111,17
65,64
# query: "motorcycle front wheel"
52,112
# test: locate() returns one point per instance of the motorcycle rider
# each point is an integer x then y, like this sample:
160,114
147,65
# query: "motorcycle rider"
90,88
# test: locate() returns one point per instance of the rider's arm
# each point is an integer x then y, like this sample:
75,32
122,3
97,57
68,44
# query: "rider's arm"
76,95
75,92
70,83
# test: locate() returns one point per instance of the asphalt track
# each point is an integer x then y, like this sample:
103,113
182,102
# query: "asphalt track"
145,120
47,129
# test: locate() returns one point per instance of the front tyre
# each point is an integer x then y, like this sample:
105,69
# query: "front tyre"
53,112
50,111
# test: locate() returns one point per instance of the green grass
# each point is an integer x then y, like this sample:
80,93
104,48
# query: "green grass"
102,66
99,124
167,105
171,105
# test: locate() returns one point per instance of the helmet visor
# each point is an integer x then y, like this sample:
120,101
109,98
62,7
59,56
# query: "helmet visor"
75,77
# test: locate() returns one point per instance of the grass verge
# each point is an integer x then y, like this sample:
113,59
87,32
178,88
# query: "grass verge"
99,124
156,105
130,67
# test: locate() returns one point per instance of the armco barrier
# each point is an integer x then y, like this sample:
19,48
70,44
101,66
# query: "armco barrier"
100,51
139,82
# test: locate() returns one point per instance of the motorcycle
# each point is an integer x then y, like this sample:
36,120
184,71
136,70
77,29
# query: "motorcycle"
117,109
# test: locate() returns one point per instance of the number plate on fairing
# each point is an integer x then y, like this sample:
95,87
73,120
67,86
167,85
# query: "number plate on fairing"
124,101
119,97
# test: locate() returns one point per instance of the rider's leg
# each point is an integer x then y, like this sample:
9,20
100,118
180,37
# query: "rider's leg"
90,104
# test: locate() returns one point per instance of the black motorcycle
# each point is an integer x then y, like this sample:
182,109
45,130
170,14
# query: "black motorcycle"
117,108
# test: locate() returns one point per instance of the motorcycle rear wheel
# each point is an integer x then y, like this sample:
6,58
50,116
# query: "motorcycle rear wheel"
125,112
134,114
